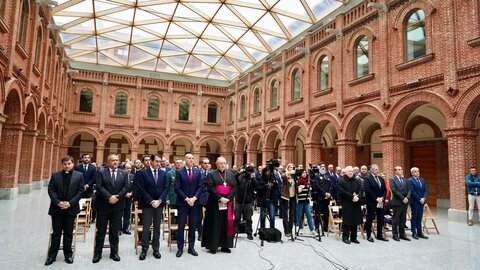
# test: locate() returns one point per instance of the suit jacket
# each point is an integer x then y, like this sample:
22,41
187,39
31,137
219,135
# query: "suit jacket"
186,189
149,191
74,192
399,191
372,190
417,191
88,176
105,189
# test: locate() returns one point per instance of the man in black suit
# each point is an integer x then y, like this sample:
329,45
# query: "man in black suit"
188,186
127,168
376,191
112,186
400,197
65,190
88,171
152,189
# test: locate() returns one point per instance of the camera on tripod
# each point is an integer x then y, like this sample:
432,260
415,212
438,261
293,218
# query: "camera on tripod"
313,170
272,164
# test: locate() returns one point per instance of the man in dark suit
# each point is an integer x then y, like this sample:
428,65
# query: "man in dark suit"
88,171
127,168
418,197
375,189
112,186
65,190
163,165
188,186
152,189
400,197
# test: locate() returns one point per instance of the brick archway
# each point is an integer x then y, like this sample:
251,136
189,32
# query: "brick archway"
28,148
355,116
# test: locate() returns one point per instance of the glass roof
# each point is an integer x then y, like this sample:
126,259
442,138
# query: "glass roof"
211,39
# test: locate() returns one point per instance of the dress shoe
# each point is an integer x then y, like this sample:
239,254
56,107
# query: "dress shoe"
226,250
199,238
127,232
346,241
250,237
179,253
423,236
69,259
470,222
115,257
192,251
142,256
96,258
414,236
396,238
404,237
382,239
356,241
213,251
370,239
50,260
157,254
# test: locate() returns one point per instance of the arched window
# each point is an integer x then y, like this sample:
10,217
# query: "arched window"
121,104
323,73
273,94
47,67
415,45
38,47
231,111
183,109
86,100
242,106
212,112
22,30
256,100
361,57
153,105
296,84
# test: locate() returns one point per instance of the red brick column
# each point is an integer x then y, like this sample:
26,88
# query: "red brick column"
288,154
26,158
252,157
196,156
47,161
346,152
393,149
167,153
239,159
38,169
134,154
267,154
63,151
99,155
55,166
228,157
10,159
313,153
461,156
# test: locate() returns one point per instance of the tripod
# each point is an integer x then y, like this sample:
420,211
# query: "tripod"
242,222
263,208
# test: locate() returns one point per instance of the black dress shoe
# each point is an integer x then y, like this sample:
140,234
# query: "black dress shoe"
250,237
69,259
115,257
50,260
356,241
414,236
370,239
396,238
157,254
127,232
226,250
423,236
199,238
142,256
346,241
213,251
404,237
96,258
382,239
192,251
179,253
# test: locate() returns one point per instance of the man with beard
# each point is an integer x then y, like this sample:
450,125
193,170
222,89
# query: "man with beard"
324,189
350,190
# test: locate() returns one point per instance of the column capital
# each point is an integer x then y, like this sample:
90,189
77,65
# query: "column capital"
461,132
287,147
313,145
346,142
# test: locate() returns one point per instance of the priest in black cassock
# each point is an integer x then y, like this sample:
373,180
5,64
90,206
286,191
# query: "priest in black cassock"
218,223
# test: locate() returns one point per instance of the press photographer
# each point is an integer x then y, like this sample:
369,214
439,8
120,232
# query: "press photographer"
267,184
246,185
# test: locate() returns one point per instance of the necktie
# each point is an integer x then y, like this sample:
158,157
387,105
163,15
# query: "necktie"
155,177
401,180
190,174
378,182
86,167
419,183
113,177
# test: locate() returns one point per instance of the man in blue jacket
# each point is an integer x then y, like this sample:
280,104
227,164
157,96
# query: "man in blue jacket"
418,198
473,186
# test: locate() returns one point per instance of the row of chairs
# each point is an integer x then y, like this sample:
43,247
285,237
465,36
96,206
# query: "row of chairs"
335,221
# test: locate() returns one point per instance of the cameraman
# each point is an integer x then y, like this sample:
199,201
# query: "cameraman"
265,196
246,185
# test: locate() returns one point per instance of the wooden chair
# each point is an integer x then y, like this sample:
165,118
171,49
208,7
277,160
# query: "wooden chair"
82,222
74,240
165,222
427,215
138,229
172,227
334,220
364,220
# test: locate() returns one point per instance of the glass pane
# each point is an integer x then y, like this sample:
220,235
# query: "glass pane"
183,110
415,35
86,100
273,95
231,111
361,57
121,104
256,107
212,112
242,106
323,73
153,105
295,84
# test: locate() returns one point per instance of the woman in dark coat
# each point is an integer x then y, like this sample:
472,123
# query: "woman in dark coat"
350,190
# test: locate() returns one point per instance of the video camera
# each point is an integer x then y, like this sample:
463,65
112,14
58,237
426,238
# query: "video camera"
249,170
313,170
272,164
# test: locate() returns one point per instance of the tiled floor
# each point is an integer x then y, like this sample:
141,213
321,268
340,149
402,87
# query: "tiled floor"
25,225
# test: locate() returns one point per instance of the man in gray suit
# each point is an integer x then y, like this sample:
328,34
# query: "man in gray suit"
400,197
65,190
